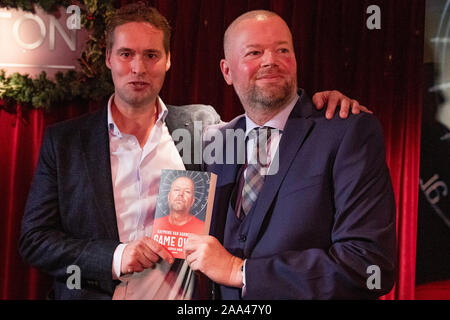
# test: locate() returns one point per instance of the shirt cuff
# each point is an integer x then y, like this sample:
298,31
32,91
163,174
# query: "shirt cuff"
117,261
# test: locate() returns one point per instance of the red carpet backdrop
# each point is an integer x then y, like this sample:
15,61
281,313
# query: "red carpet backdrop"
381,68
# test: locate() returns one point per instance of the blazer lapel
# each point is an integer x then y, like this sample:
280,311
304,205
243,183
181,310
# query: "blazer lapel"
95,148
295,132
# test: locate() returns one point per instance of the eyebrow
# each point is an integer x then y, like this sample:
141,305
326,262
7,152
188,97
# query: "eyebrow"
123,49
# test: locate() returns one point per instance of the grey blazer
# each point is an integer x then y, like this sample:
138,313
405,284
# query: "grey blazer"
70,216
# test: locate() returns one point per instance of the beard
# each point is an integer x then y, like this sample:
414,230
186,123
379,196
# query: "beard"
178,205
271,97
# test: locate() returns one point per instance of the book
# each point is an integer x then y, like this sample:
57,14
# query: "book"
184,206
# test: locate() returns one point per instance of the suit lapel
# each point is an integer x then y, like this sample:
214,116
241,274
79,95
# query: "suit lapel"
95,148
295,132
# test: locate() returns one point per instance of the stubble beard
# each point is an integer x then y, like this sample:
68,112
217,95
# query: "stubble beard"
178,207
270,98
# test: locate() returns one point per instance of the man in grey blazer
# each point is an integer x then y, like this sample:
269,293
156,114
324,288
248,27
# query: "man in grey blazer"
92,199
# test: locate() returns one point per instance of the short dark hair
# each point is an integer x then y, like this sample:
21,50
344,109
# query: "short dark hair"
137,12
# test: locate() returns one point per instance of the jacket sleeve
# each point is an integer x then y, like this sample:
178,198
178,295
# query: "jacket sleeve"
46,240
363,236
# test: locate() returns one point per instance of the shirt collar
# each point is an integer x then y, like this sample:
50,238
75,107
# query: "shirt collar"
162,114
277,122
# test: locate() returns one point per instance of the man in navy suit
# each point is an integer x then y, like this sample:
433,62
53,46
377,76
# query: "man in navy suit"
93,197
321,224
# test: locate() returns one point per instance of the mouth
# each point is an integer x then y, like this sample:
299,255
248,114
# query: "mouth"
138,85
269,78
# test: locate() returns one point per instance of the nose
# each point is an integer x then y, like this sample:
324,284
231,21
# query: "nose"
180,194
138,66
268,59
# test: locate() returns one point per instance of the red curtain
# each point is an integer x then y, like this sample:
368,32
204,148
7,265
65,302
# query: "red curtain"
21,134
335,50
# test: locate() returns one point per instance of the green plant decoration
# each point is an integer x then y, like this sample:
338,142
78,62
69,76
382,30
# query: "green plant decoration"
91,82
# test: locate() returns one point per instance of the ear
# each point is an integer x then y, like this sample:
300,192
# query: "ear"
168,63
108,57
226,71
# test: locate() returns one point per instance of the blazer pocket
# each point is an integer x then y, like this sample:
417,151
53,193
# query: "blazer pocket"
292,186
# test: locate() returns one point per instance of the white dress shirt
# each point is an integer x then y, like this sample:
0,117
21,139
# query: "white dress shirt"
136,174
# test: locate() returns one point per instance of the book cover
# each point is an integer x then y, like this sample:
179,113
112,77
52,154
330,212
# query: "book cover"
184,206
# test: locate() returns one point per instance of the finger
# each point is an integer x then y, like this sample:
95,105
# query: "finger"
194,265
332,103
355,107
318,99
196,239
134,266
143,254
193,243
144,257
191,257
137,267
190,245
365,109
188,249
345,106
149,256
160,250
132,260
193,260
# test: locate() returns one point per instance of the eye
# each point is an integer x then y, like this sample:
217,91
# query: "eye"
283,50
125,54
152,55
252,53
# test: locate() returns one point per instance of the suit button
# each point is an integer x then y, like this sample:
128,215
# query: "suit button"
242,238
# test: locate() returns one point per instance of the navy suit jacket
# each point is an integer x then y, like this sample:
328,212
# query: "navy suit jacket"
323,219
70,217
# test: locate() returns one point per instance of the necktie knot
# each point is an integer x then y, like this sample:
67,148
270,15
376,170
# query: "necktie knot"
260,132
260,137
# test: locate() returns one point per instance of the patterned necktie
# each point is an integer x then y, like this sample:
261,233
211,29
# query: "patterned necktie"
257,167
